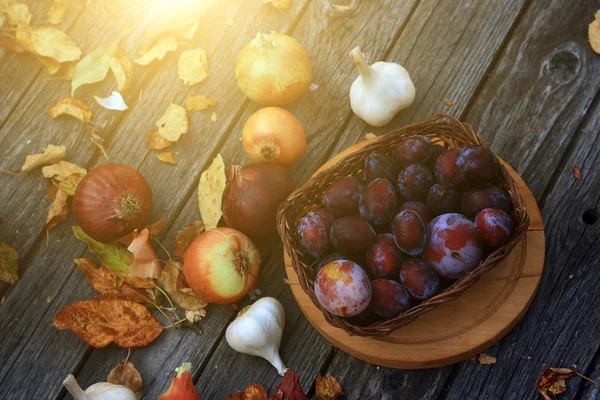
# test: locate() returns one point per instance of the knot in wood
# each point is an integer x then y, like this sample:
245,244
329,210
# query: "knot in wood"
563,64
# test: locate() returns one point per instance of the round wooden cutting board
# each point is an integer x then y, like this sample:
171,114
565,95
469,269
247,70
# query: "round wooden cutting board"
456,330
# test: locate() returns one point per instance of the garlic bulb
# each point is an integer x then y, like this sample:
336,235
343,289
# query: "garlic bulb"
257,331
380,91
98,391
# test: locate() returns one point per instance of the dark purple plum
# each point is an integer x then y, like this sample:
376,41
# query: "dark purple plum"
445,168
384,258
493,226
313,231
378,202
414,182
388,298
476,165
352,234
343,195
419,278
476,200
442,198
419,208
412,150
410,232
379,165
434,152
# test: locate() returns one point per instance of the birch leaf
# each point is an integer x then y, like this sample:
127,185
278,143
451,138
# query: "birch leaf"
73,107
54,43
192,66
199,103
56,14
91,69
51,155
9,268
158,50
113,102
166,157
121,67
210,193
173,123
58,211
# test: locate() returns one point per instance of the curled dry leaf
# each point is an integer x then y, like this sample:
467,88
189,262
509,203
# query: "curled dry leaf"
486,359
157,142
199,103
121,67
552,381
210,193
69,184
113,255
62,170
158,50
192,67
173,123
280,4
91,69
113,102
252,392
327,387
576,172
594,33
103,320
186,236
168,279
290,388
166,157
52,154
9,264
145,263
58,211
56,13
127,375
53,43
155,227
73,107
17,13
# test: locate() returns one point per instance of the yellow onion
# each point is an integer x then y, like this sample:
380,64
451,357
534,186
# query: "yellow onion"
273,69
273,134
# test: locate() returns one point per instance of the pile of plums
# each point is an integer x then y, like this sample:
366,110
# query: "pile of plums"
416,222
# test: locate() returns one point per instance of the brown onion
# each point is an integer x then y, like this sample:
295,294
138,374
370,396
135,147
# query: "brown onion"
252,196
111,201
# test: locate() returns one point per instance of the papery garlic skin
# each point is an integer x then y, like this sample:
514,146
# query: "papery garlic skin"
257,331
98,391
380,91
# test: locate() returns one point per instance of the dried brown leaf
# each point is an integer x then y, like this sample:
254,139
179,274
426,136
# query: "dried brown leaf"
576,172
210,193
127,375
58,211
56,13
192,67
157,142
166,157
62,170
69,184
158,50
173,123
594,33
185,237
449,102
168,279
327,387
102,321
290,388
254,391
155,227
51,155
73,107
51,192
199,103
552,381
9,264
486,359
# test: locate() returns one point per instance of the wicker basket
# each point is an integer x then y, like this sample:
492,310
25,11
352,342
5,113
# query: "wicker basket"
442,129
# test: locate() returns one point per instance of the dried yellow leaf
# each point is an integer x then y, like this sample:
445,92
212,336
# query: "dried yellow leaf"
173,123
280,4
199,103
210,193
158,50
486,359
166,157
58,211
73,107
50,65
594,33
56,13
121,67
92,68
157,142
213,116
59,172
52,154
54,43
17,13
168,279
192,67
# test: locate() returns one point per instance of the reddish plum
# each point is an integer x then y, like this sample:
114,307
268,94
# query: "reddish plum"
419,278
313,230
442,198
384,258
410,232
412,150
445,168
453,247
476,200
419,208
434,153
493,226
389,298
378,202
343,288
378,165
414,182
476,165
343,195
352,234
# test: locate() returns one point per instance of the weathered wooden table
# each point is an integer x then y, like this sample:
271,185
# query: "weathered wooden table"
521,71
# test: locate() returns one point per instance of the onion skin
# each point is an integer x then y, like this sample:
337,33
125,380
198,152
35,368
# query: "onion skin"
221,265
252,196
111,201
273,69
273,134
